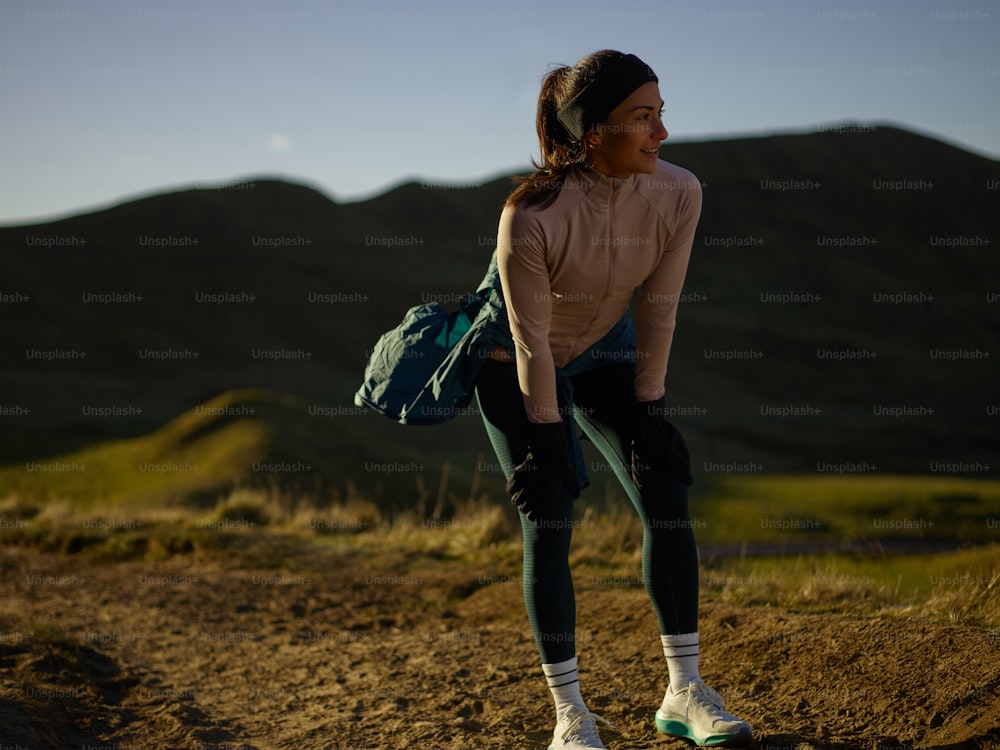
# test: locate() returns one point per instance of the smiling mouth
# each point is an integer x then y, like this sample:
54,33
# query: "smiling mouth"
650,151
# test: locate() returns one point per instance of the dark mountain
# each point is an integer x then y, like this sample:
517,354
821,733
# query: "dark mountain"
841,311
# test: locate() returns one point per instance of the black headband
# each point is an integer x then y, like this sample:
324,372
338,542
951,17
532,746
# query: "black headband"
595,101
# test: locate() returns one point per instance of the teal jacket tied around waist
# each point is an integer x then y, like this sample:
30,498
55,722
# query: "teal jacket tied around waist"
424,371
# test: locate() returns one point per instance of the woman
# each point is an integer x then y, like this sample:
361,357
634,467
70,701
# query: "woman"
600,218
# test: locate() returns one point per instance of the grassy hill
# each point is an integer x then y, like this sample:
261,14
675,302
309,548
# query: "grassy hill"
249,438
841,316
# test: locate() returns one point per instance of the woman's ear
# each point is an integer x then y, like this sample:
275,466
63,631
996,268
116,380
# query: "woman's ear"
593,137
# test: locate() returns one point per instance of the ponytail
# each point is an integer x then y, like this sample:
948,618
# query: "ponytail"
560,150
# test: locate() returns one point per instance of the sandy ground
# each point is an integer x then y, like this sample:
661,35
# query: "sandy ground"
206,652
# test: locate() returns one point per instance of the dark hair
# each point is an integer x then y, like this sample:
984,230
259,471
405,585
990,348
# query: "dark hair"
559,150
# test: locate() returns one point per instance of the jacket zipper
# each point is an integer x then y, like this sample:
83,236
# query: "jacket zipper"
612,251
612,246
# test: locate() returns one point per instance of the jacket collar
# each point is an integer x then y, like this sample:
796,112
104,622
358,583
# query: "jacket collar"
600,186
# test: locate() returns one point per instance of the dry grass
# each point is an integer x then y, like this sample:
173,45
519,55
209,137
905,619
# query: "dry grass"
960,587
274,527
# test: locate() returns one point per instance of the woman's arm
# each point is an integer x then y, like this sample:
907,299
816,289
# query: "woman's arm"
524,276
656,310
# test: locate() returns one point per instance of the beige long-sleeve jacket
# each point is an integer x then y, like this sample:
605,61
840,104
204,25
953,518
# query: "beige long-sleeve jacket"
569,272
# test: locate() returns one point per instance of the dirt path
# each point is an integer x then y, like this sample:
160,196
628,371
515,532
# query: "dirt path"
209,654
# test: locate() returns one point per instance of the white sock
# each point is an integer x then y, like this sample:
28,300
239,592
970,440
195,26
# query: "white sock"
564,682
682,659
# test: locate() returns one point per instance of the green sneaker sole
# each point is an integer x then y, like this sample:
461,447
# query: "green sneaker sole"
680,729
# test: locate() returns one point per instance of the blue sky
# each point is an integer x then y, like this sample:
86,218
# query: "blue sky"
105,101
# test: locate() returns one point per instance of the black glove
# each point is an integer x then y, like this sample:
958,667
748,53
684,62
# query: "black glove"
545,471
657,443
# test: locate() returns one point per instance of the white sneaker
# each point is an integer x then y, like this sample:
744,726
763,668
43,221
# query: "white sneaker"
576,730
697,713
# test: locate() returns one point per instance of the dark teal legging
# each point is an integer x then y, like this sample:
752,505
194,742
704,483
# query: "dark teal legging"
669,557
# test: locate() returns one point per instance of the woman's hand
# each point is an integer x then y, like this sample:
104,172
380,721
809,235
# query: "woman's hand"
545,472
657,443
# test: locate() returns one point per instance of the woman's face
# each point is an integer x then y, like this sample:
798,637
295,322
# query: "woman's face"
628,142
